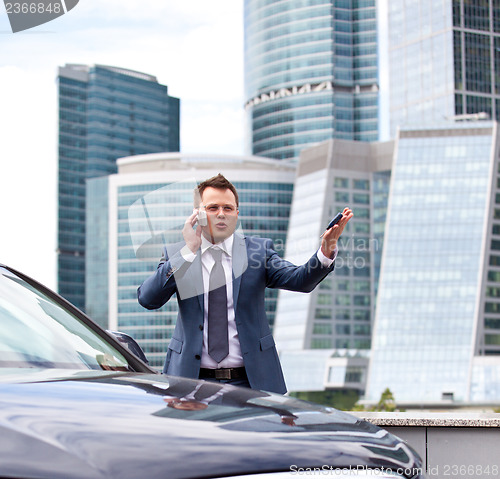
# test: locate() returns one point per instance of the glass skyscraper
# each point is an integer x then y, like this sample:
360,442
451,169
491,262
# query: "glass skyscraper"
324,337
310,74
443,58
145,206
104,113
437,328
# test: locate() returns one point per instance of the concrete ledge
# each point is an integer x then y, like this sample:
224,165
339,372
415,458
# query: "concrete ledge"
452,445
436,419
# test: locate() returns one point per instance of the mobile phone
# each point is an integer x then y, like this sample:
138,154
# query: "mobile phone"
202,217
334,221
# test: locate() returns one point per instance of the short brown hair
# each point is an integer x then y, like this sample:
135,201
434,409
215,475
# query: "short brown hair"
219,182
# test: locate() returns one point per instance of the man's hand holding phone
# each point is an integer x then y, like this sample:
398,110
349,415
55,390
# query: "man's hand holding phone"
333,231
334,221
192,236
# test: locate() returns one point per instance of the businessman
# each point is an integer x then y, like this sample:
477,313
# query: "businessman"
219,278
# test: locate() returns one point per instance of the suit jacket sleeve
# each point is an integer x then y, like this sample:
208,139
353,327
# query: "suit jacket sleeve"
160,286
285,275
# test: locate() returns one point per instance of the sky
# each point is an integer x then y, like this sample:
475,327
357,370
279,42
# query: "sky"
195,47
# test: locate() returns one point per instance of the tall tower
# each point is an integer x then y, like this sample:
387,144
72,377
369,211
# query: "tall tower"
104,113
324,337
444,59
310,74
436,335
436,330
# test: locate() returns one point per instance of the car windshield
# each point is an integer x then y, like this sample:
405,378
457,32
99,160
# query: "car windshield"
37,332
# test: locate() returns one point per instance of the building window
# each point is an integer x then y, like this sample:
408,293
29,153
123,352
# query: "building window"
343,329
492,308
362,213
361,286
363,228
493,292
342,300
342,343
361,329
322,328
343,314
492,339
341,183
491,323
354,375
494,276
361,198
321,343
323,313
342,197
361,300
362,315
324,299
343,285
361,184
362,343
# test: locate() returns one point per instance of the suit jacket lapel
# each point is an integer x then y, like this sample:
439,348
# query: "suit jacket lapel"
240,264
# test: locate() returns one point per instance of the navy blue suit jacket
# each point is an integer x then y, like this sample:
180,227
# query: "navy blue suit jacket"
256,265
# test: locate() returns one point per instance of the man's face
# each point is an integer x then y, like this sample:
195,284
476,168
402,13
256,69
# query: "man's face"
222,214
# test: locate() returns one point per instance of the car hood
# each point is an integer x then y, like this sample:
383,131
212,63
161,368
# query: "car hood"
71,424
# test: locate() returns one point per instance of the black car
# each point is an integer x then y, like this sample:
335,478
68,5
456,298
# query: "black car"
76,403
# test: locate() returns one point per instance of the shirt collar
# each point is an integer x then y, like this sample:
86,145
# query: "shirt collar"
226,245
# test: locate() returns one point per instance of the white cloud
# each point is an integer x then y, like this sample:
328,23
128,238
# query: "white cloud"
216,129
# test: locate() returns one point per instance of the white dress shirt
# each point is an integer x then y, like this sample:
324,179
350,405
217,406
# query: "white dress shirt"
234,359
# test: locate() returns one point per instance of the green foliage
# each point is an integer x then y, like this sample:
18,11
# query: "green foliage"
343,399
347,400
386,403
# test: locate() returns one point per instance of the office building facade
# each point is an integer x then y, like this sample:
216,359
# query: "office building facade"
324,337
436,335
310,74
443,59
147,204
104,113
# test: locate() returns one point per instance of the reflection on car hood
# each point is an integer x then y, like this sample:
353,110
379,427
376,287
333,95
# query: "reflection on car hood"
120,425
